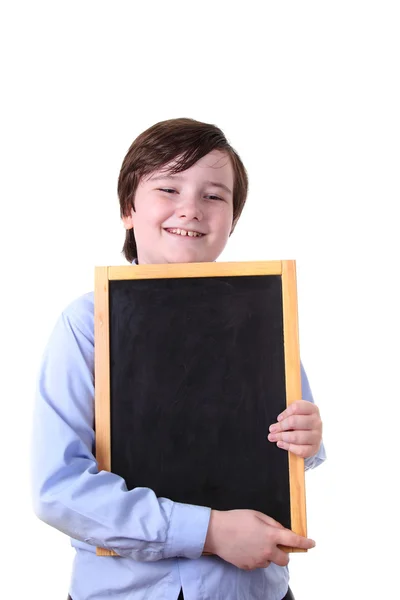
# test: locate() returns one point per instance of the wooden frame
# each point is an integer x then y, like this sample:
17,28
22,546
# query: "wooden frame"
287,271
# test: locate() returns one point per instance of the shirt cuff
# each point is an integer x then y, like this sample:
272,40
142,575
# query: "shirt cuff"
317,459
187,530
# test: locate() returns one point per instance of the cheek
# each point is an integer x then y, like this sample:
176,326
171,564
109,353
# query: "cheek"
224,220
160,209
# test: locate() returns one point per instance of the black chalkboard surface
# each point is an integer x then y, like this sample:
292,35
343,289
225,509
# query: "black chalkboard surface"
199,360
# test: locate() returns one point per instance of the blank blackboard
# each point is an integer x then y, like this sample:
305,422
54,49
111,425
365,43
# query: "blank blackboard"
194,362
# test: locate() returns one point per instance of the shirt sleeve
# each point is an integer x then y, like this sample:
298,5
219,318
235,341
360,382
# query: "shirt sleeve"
306,394
69,492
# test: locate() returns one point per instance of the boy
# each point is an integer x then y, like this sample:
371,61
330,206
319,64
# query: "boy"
181,188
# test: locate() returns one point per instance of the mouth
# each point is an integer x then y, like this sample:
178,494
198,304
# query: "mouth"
184,233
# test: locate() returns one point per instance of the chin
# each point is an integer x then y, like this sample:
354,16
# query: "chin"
188,257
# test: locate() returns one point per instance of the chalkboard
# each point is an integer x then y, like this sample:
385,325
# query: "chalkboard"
194,362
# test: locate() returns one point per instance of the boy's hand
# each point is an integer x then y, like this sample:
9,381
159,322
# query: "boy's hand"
250,540
299,429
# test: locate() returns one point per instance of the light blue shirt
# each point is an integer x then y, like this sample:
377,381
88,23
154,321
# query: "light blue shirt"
160,542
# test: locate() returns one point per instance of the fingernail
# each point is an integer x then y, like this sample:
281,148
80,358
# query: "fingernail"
273,428
279,418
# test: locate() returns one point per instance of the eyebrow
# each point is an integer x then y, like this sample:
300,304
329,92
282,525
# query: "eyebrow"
180,178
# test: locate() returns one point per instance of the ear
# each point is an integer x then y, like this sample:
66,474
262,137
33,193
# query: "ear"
128,220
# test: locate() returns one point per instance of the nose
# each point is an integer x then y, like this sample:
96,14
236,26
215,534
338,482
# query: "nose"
189,208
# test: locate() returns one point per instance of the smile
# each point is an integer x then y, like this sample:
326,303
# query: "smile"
184,232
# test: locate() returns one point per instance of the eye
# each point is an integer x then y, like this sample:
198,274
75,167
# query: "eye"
167,190
212,197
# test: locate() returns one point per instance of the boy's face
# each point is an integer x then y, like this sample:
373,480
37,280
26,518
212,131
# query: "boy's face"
196,201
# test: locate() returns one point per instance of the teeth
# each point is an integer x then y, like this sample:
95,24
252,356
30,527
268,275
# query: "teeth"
183,232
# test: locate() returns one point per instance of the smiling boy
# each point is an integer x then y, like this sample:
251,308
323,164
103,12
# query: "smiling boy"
182,189
184,217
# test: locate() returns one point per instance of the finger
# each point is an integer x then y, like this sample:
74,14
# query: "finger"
300,407
294,422
268,520
263,565
302,451
292,540
302,438
280,557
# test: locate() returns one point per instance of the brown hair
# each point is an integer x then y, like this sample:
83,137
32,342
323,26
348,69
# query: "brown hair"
184,141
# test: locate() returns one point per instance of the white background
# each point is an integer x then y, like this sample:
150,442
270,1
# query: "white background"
308,93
